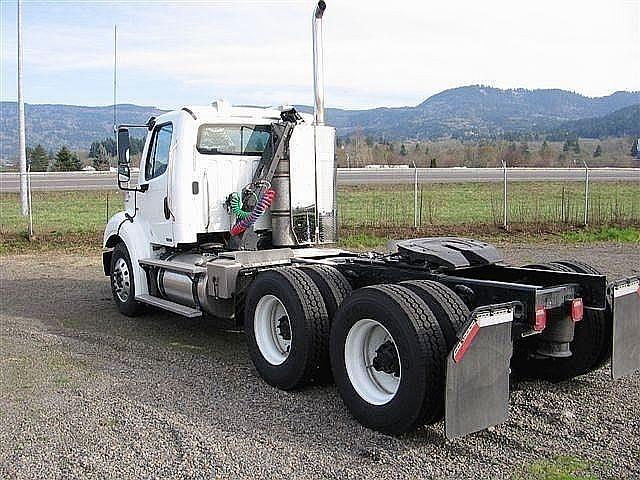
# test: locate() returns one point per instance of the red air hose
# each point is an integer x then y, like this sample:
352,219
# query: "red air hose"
262,206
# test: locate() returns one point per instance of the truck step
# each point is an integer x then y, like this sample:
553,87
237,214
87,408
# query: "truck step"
169,306
179,267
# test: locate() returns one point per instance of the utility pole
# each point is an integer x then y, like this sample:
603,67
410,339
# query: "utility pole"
22,152
115,79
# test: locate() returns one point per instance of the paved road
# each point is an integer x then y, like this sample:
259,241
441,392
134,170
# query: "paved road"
9,182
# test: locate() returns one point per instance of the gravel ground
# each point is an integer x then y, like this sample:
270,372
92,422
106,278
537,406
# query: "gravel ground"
88,393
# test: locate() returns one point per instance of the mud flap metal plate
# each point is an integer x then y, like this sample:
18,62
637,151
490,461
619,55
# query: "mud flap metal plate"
477,391
625,357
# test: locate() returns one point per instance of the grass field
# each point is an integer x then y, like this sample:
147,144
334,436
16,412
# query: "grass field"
371,214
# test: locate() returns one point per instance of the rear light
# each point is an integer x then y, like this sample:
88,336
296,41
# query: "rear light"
465,341
577,309
541,319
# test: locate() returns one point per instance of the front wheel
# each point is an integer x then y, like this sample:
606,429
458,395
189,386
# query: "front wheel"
123,286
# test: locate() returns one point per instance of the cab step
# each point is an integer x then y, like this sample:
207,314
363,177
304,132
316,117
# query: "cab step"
169,306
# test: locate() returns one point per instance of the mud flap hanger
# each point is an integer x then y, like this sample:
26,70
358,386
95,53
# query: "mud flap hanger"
477,384
625,302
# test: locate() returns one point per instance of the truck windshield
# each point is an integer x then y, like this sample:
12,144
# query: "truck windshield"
233,139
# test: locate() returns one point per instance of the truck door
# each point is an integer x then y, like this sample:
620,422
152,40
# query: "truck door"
153,204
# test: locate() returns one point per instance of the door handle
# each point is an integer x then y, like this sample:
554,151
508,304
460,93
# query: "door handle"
167,212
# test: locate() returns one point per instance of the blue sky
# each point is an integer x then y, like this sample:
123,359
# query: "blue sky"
258,52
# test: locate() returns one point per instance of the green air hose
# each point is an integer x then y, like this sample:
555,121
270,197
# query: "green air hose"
235,203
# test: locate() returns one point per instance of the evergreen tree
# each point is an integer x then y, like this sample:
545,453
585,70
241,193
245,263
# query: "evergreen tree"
544,149
565,146
66,161
598,151
434,163
403,150
110,144
101,161
634,148
417,149
576,146
38,159
93,149
524,150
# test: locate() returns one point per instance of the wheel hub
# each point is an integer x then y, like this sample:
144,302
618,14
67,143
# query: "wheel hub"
284,328
272,329
372,361
386,359
121,280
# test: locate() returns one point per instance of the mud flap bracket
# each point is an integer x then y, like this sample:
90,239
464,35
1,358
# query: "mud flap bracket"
477,388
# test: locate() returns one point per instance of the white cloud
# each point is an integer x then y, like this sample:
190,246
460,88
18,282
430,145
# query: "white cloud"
377,52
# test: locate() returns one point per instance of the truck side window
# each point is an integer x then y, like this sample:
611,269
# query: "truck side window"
159,152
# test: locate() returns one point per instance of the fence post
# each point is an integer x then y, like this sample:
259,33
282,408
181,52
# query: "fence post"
415,195
505,224
29,204
586,192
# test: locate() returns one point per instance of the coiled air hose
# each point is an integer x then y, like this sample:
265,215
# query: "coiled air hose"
235,204
262,206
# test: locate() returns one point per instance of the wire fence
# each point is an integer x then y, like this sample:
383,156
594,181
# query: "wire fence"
80,217
551,204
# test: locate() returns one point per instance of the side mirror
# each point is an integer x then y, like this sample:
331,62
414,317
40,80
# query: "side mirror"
123,146
124,172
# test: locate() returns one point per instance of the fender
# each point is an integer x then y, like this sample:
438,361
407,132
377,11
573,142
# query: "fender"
120,228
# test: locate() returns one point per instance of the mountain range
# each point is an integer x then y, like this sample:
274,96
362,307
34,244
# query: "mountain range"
465,112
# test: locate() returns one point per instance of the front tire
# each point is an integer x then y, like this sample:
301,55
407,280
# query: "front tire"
388,356
123,286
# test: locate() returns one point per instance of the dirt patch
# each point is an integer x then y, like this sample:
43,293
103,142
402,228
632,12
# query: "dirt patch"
88,393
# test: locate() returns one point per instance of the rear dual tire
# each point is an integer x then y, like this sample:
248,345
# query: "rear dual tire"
287,328
388,359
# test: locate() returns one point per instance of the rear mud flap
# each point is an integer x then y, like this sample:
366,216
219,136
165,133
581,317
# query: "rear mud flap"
625,356
477,391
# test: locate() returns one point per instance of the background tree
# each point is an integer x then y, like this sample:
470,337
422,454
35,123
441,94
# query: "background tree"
544,149
634,148
524,150
598,151
38,159
101,161
403,150
66,160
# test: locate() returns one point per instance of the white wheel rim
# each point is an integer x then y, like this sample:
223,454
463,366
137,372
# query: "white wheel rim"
121,280
364,339
270,324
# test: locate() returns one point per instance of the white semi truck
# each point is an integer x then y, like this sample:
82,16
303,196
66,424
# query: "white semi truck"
234,216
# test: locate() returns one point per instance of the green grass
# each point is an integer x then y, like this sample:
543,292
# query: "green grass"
69,220
369,215
481,203
558,468
603,234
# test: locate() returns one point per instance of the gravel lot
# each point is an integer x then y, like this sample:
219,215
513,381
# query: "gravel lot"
88,393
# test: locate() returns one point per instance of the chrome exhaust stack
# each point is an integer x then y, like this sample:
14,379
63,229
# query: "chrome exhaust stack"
318,64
